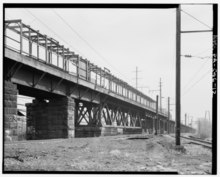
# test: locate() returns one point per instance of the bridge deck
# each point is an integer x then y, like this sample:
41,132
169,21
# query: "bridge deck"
65,64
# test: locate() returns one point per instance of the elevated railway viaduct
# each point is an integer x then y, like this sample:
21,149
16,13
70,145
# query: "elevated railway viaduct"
73,97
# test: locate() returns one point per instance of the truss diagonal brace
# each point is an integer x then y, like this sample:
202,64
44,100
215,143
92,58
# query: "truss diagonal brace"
10,70
82,116
13,71
103,113
52,89
17,69
74,88
41,77
92,99
80,96
105,98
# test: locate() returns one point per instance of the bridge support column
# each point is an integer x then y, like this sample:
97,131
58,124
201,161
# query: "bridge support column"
10,111
70,114
162,126
159,127
166,126
171,128
53,119
149,125
154,125
144,125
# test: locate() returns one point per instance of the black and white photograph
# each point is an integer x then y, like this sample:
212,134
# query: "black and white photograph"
111,88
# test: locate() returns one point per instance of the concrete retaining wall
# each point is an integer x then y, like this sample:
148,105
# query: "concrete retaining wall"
132,130
85,131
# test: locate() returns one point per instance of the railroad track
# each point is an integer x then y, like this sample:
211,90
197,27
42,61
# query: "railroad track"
197,141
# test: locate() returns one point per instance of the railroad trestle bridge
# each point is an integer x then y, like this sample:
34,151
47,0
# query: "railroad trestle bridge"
73,97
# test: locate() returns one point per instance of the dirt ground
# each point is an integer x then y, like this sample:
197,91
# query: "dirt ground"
113,153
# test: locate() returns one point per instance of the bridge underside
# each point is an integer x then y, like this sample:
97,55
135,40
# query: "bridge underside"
66,117
55,116
66,110
105,119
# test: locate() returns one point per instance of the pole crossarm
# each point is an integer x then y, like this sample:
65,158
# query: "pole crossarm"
196,31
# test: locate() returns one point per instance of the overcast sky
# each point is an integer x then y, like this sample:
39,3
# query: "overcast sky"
124,39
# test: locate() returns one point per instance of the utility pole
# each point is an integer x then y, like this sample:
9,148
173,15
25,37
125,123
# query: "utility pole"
188,119
178,77
136,77
156,122
178,62
199,127
160,90
208,114
168,118
185,118
160,85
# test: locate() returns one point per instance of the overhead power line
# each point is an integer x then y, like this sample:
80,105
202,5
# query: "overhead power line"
29,23
172,64
84,40
195,74
196,19
53,31
203,76
204,51
7,16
